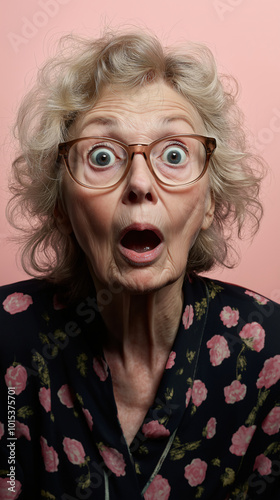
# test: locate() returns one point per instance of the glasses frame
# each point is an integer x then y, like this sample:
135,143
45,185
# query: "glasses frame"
209,144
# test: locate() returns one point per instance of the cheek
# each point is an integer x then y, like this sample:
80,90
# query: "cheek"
187,216
90,218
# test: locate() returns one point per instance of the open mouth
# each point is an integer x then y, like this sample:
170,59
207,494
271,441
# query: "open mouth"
140,241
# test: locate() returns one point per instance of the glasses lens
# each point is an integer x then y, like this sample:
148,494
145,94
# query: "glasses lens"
97,162
178,160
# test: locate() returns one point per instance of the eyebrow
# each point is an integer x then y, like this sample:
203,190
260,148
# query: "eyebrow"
100,120
186,119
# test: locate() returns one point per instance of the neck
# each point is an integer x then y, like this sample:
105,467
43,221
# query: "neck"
143,326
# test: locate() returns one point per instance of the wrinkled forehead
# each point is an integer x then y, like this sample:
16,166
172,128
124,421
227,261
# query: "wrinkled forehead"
155,105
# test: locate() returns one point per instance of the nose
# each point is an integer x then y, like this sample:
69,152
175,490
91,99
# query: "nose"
140,182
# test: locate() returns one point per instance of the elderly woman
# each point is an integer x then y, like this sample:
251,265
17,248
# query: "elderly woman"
127,375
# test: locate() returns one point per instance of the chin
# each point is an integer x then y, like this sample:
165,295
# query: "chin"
145,281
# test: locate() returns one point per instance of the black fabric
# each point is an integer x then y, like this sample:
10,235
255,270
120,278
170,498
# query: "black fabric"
212,432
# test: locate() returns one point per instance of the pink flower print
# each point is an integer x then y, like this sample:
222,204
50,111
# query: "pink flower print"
66,396
271,424
17,303
159,489
199,392
253,335
258,298
113,459
229,316
101,368
263,465
270,374
211,428
2,430
170,361
195,472
188,396
50,456
154,429
7,494
74,450
235,392
188,317
45,398
16,376
22,430
218,350
241,440
88,418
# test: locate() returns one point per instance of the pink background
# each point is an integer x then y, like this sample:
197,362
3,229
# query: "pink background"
245,38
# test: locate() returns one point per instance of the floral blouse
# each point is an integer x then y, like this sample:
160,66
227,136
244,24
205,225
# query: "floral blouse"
212,432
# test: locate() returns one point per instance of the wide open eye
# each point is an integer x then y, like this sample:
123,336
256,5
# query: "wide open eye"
101,156
174,155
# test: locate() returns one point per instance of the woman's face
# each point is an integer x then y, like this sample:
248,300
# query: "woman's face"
138,233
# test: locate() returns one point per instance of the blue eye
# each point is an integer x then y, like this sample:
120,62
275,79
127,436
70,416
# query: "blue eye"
174,155
101,157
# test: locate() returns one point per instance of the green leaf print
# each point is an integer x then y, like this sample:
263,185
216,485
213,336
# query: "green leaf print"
42,367
47,495
200,308
46,316
178,449
272,448
82,364
199,492
164,420
190,355
241,363
180,371
84,481
45,340
216,462
80,399
214,289
261,399
169,393
59,335
143,450
193,410
228,477
240,493
25,412
137,468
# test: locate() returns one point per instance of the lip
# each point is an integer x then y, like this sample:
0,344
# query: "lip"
141,258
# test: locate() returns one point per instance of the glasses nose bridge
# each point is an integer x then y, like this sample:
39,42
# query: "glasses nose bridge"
138,149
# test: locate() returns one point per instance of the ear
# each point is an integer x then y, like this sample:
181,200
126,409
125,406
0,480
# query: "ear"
62,220
209,211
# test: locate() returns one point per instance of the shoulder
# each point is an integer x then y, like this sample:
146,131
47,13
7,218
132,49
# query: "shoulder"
35,317
25,301
16,297
244,317
251,305
27,310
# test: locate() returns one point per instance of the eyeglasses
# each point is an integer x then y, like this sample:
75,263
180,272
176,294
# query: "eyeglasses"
101,162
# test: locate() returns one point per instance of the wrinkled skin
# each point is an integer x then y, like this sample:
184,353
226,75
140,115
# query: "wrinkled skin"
142,320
